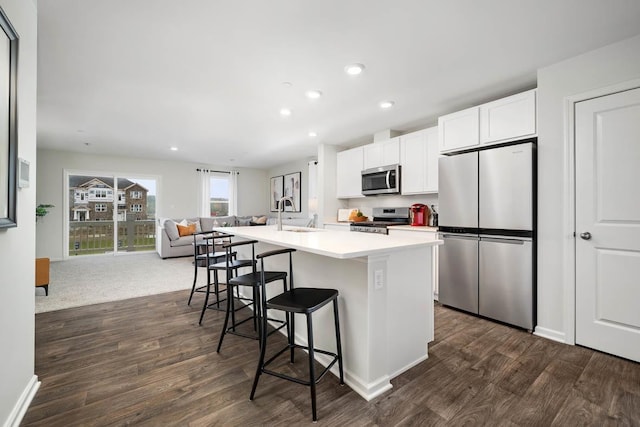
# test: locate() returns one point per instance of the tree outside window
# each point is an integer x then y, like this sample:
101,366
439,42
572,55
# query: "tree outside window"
219,196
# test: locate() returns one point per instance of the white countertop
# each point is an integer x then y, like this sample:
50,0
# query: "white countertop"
335,244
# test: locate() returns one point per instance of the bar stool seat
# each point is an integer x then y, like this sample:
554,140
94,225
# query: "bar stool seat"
202,256
230,266
254,280
297,301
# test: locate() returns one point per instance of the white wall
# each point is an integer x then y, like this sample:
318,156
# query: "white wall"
612,64
17,245
176,198
297,166
366,204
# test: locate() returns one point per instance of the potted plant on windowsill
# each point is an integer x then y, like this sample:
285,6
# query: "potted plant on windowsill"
42,264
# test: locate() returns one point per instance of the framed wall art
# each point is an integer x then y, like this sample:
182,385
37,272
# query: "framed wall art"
292,189
8,123
275,192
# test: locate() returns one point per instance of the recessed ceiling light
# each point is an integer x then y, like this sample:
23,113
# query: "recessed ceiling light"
313,134
285,112
174,148
287,84
354,69
386,104
314,94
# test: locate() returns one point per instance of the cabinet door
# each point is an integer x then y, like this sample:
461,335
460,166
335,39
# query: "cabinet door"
431,166
508,118
419,161
349,166
413,155
382,153
459,130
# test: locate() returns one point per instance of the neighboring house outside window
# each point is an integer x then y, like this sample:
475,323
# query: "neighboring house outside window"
93,199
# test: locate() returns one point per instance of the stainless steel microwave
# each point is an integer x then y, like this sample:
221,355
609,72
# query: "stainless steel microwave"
381,180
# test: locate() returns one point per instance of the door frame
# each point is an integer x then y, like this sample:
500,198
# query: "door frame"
65,201
569,216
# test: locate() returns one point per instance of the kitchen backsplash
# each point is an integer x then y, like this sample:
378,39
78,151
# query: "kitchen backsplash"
365,204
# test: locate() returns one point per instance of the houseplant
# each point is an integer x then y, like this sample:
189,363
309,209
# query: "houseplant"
42,264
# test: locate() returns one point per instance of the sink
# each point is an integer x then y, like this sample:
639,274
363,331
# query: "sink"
301,230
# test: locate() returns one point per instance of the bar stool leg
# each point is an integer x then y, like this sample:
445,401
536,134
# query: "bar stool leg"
206,302
263,346
226,316
292,335
312,370
336,318
195,277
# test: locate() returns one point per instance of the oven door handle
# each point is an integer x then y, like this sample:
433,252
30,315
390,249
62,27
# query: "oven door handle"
389,179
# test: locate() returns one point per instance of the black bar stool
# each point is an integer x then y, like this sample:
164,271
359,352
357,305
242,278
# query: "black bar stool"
253,280
303,301
230,266
201,256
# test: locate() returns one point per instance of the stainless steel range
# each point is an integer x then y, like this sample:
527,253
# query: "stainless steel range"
382,218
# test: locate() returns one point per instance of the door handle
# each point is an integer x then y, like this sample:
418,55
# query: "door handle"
585,236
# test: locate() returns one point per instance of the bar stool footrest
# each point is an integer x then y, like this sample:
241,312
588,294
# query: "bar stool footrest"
294,379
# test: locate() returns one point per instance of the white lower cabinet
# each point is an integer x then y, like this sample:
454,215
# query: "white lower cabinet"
434,251
419,160
349,166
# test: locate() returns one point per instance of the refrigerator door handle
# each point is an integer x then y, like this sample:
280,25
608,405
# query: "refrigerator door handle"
459,236
505,241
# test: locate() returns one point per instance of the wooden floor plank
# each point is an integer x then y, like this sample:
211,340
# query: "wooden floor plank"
146,361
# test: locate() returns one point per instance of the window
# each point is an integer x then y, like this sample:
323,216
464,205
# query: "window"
101,207
219,195
136,194
136,208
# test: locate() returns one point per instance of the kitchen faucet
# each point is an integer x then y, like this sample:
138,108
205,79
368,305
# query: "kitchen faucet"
281,204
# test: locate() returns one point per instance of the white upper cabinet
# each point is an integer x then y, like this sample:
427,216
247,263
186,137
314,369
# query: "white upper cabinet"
508,118
459,130
503,120
419,161
349,166
382,153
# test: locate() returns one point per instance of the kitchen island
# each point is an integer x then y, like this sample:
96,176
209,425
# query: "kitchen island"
385,303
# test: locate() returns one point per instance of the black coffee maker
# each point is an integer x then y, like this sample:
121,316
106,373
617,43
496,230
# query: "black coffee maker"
434,217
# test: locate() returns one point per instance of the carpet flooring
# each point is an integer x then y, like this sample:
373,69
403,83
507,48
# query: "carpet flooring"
94,279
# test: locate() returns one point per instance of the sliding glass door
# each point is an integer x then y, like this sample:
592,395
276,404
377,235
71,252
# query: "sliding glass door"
110,214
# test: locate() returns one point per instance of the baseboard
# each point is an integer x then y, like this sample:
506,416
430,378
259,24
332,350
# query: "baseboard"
550,334
21,406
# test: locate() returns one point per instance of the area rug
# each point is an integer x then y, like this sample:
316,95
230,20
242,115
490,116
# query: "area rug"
93,279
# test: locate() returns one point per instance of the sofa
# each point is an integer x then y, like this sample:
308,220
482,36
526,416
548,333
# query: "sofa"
171,244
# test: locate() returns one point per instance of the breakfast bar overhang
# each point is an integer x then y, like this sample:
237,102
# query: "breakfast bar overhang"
385,302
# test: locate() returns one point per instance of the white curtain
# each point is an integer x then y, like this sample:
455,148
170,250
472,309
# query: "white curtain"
233,193
204,197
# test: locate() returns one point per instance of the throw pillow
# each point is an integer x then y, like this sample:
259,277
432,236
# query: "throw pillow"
259,220
171,229
186,230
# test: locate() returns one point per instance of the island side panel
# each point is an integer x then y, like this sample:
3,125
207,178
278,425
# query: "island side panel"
410,315
349,277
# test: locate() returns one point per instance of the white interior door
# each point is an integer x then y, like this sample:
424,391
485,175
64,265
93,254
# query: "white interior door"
607,147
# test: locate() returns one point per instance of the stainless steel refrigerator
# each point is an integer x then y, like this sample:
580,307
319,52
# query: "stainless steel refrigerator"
487,220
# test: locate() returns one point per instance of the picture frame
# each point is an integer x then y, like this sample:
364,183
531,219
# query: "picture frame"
275,192
8,123
292,188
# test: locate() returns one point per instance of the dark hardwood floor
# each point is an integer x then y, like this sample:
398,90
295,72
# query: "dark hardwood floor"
145,361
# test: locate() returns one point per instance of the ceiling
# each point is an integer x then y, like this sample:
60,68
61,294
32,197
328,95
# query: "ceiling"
136,77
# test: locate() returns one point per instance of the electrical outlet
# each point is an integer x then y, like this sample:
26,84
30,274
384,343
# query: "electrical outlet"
378,279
